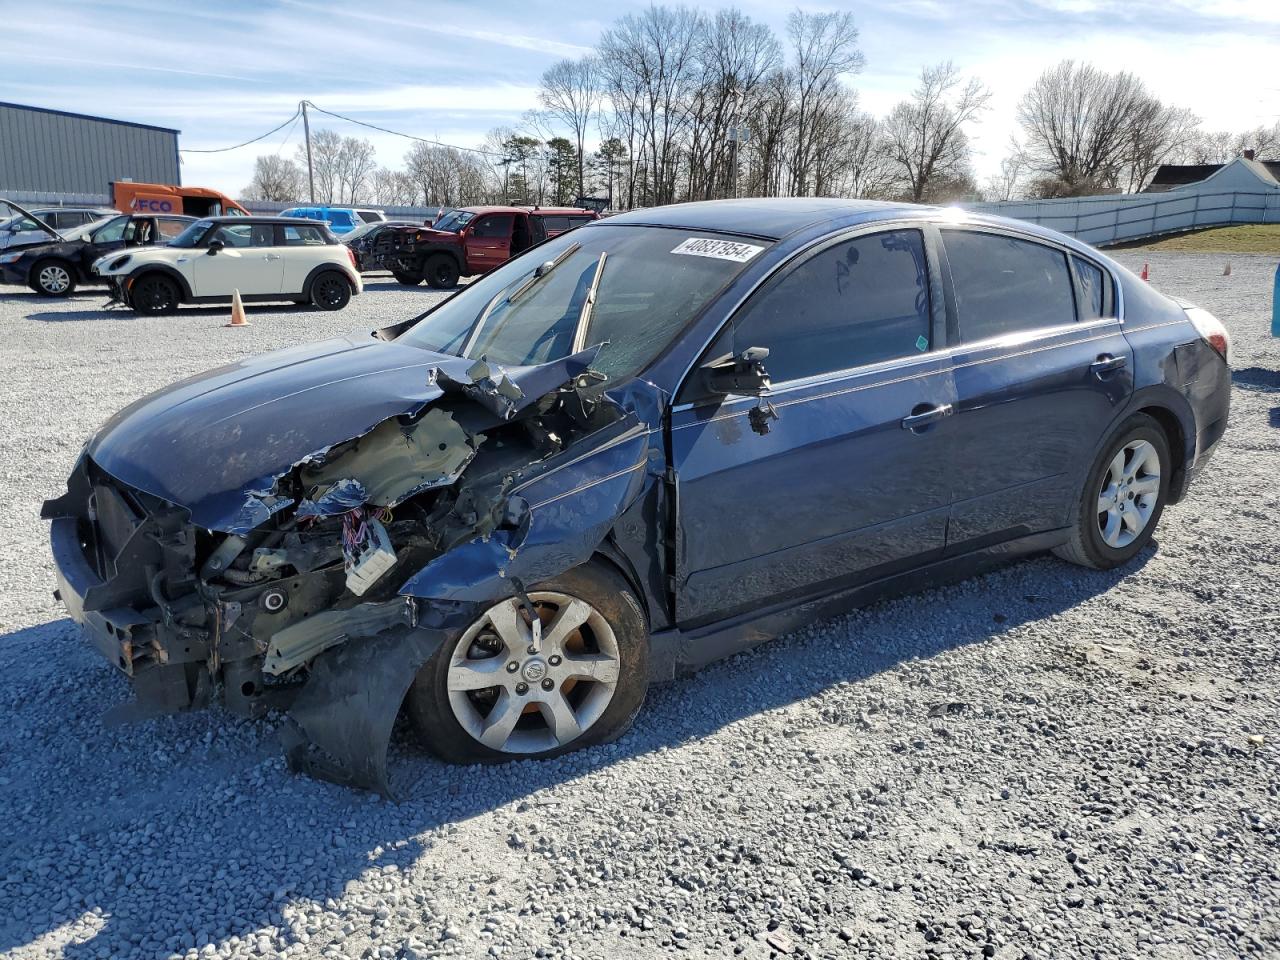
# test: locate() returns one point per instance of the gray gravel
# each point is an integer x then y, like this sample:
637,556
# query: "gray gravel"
1045,762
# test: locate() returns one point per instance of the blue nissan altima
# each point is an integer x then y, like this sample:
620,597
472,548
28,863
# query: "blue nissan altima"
645,444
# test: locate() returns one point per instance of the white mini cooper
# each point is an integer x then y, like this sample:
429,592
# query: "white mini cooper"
265,258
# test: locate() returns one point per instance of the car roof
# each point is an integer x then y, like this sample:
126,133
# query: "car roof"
554,211
775,218
259,219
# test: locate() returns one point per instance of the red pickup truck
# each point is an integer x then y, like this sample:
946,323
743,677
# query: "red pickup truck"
469,241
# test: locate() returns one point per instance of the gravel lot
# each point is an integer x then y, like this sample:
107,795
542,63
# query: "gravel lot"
1045,762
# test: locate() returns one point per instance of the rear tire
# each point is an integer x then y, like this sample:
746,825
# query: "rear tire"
451,703
153,294
441,271
1123,499
330,291
53,278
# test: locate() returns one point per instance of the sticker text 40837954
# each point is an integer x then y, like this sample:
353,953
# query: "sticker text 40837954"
720,249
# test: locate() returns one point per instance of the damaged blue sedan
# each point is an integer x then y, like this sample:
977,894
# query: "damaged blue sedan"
641,446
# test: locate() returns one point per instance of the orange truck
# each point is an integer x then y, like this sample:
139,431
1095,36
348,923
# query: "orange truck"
130,197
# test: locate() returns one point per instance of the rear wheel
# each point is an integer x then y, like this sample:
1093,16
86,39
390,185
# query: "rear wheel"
154,294
1123,497
441,272
330,291
53,278
492,694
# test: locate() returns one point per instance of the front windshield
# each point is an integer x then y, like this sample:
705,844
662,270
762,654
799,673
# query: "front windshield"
651,283
454,221
360,231
191,236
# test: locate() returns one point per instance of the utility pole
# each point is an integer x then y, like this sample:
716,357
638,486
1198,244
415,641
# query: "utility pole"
311,174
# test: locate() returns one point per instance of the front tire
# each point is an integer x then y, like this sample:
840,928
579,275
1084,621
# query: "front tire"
1123,498
330,291
408,279
441,271
154,295
484,698
53,278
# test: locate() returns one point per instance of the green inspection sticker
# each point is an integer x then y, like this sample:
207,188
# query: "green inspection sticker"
922,343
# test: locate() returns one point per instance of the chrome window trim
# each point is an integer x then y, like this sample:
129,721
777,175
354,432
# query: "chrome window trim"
948,354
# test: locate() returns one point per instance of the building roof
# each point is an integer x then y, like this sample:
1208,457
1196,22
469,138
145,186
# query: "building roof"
1171,175
85,116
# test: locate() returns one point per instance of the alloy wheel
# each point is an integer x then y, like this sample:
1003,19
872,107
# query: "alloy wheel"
522,690
329,291
1130,493
54,278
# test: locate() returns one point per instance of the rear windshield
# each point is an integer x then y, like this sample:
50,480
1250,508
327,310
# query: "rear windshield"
650,283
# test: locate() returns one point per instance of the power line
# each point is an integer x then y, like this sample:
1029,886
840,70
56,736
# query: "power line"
407,136
289,133
247,142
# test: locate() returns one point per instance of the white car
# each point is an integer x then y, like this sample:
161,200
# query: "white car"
265,258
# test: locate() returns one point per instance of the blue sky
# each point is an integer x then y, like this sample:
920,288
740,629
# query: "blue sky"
227,71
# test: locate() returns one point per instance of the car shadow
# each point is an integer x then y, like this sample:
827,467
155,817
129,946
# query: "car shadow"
118,312
196,837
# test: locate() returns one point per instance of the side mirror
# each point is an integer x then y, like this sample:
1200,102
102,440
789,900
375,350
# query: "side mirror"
215,246
744,374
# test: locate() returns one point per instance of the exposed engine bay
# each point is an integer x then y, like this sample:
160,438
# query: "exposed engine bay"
241,609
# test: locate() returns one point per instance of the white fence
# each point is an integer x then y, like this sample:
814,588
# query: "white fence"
1241,192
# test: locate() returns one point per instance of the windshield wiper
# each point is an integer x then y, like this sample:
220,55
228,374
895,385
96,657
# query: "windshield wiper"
584,317
543,270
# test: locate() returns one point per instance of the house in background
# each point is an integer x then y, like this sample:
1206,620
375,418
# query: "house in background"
1170,176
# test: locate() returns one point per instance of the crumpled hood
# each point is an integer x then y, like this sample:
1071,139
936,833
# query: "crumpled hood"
217,442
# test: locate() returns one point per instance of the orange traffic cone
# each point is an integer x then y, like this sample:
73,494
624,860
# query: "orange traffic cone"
1146,271
237,311
1226,271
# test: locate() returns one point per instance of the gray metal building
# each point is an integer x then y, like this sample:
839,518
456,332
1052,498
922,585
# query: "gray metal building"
53,152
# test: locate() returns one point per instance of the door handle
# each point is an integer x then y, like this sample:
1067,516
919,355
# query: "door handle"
272,256
182,260
1107,363
923,417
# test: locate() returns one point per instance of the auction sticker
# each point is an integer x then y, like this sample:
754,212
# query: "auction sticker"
720,249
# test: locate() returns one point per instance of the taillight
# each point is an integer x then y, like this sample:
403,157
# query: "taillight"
352,255
1211,329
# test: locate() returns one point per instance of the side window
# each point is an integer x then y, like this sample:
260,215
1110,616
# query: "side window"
170,228
1093,286
111,231
300,236
1006,285
556,225
497,226
579,221
245,234
861,301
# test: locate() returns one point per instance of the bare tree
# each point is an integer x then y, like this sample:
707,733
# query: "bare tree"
1162,134
570,91
1086,129
326,157
355,163
1013,168
275,178
655,54
393,188
825,47
1222,146
925,135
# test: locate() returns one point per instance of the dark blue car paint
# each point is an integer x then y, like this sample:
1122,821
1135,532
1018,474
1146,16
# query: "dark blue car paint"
730,535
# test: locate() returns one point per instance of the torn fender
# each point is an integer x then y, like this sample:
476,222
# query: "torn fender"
217,443
572,508
339,727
